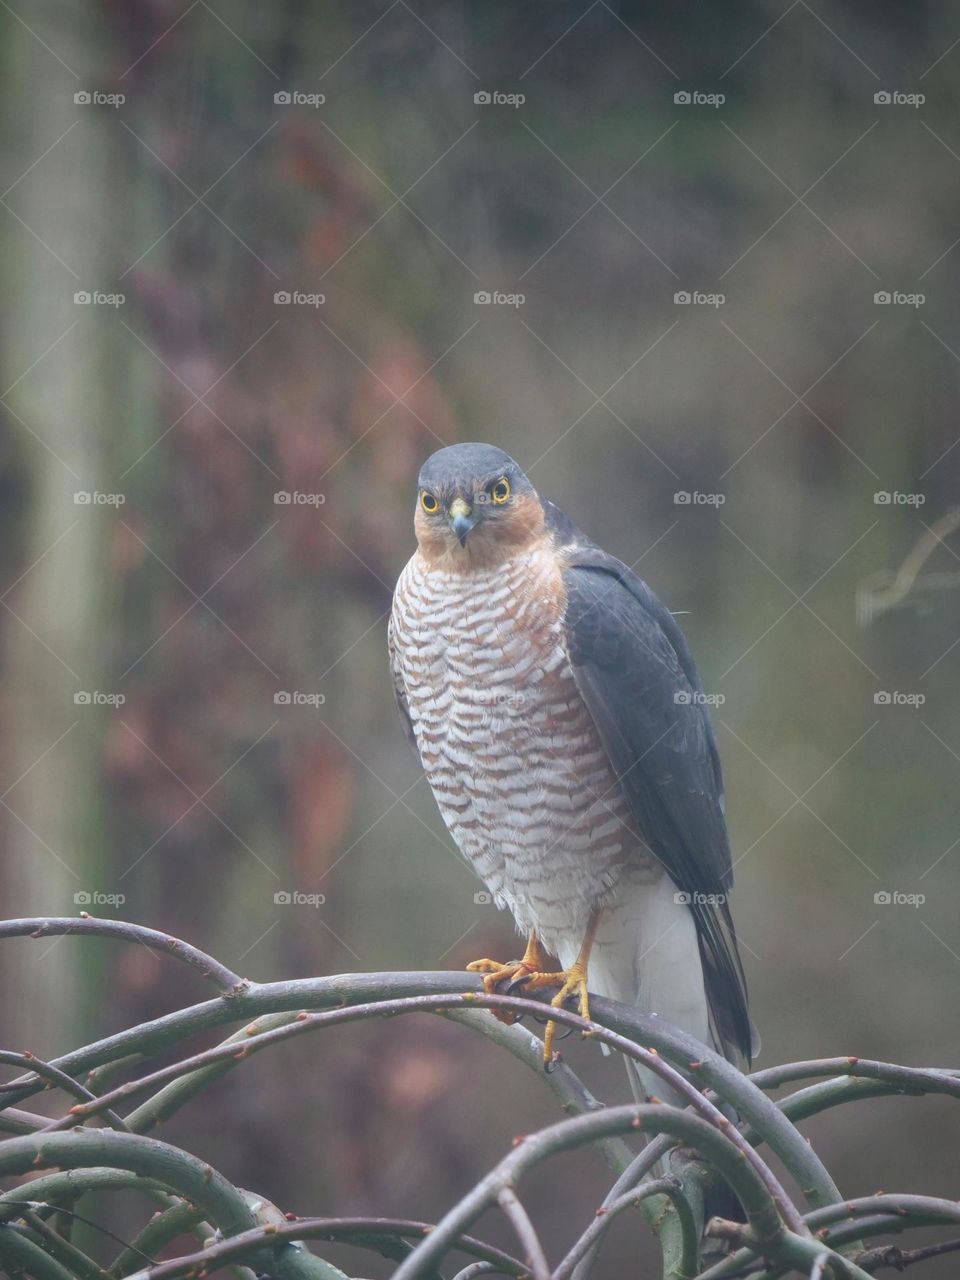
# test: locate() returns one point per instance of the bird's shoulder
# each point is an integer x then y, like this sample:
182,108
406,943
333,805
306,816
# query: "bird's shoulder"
610,609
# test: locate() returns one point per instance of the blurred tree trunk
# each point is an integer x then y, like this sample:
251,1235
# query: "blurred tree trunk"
70,400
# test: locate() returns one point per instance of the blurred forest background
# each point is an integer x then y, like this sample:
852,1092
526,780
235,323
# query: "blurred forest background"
184,587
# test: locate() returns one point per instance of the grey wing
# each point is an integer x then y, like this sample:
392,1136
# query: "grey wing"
399,689
639,682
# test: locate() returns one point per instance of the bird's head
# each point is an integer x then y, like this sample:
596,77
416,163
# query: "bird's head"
475,508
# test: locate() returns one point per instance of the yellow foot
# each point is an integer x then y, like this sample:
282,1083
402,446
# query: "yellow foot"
572,982
516,971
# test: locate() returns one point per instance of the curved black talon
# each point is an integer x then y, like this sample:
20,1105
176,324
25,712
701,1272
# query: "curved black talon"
516,982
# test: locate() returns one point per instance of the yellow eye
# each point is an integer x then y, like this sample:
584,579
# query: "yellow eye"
429,503
500,492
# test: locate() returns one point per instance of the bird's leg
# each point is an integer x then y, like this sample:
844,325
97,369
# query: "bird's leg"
534,962
572,982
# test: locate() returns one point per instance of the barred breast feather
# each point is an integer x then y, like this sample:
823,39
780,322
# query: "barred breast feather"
511,752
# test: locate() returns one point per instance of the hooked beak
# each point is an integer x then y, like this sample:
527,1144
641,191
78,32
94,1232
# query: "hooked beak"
462,519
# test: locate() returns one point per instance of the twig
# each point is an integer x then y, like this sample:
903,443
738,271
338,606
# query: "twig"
175,1169
891,1255
54,1076
526,1234
750,1103
912,1079
766,1222
72,1258
838,1224
883,590
225,979
361,1231
19,1251
608,1212
334,1017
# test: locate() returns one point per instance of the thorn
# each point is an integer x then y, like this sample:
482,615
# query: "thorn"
695,1066
85,915
240,1054
290,1217
302,1016
75,1110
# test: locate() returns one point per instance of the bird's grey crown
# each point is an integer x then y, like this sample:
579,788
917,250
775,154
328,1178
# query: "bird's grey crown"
465,465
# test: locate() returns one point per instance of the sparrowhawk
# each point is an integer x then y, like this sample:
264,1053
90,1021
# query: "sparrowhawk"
564,731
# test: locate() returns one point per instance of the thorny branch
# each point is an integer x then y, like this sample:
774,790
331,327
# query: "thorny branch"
817,1236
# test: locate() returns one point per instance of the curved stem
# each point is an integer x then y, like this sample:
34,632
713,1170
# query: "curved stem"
18,1252
183,1173
334,1017
65,1252
170,1099
12,1120
519,1219
54,1076
43,1192
568,1134
225,979
923,1079
367,1233
862,1217
750,1102
931,1207
601,1223
163,1227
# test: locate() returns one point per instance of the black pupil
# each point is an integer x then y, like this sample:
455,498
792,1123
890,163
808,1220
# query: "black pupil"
430,502
500,489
